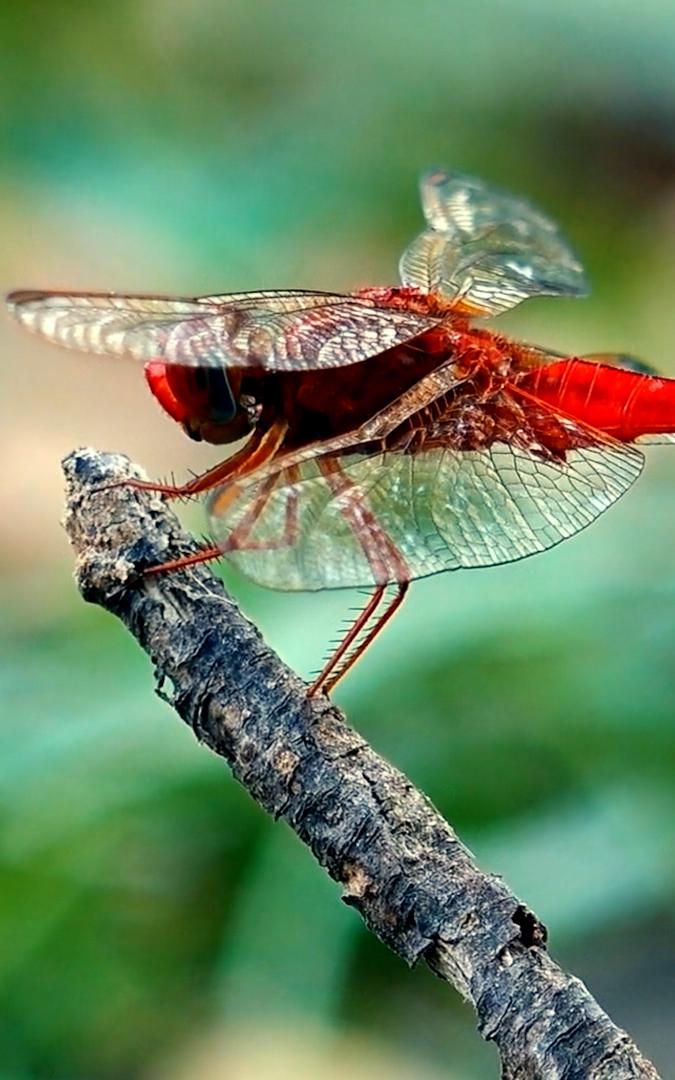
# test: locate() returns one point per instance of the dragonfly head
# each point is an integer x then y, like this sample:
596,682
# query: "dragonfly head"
201,400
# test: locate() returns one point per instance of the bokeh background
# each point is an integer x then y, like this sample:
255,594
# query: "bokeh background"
153,923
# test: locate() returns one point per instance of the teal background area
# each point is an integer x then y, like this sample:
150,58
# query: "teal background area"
153,923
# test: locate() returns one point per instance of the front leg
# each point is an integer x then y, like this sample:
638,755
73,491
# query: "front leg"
260,448
205,481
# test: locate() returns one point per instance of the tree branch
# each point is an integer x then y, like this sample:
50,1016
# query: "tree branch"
399,863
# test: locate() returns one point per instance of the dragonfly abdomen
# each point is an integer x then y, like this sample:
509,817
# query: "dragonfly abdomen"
621,403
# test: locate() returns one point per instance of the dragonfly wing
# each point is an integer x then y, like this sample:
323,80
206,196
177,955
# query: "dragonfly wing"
487,248
279,331
141,327
429,511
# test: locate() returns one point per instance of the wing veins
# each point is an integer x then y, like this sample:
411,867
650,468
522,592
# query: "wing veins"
288,329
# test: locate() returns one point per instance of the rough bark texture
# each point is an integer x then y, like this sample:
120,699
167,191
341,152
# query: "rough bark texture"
399,863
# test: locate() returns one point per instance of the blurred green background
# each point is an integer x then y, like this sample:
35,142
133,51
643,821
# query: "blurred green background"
153,923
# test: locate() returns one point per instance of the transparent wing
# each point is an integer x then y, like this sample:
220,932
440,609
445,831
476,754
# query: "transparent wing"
487,248
274,330
434,510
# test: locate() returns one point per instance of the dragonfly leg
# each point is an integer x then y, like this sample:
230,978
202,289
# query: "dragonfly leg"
322,679
240,537
261,448
350,648
204,554
387,565
197,485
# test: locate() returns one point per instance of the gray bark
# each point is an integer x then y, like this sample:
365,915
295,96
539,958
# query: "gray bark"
398,862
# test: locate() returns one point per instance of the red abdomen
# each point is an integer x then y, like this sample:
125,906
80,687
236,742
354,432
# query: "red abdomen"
621,403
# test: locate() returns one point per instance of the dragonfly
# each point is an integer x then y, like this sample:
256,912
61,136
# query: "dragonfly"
389,434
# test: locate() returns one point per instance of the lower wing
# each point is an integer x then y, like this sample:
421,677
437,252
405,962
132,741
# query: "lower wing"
365,516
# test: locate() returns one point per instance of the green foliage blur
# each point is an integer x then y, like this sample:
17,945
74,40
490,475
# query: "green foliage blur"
152,922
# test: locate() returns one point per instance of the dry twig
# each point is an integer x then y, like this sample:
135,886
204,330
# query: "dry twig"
399,863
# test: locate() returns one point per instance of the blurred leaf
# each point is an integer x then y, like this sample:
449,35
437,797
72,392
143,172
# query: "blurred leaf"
288,945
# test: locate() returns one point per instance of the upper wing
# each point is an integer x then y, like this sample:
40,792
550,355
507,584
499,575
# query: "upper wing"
487,248
359,518
274,330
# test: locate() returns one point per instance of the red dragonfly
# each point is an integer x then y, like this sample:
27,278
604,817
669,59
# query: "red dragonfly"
389,436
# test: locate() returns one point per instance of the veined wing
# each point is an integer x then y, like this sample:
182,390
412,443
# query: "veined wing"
487,248
279,331
366,517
